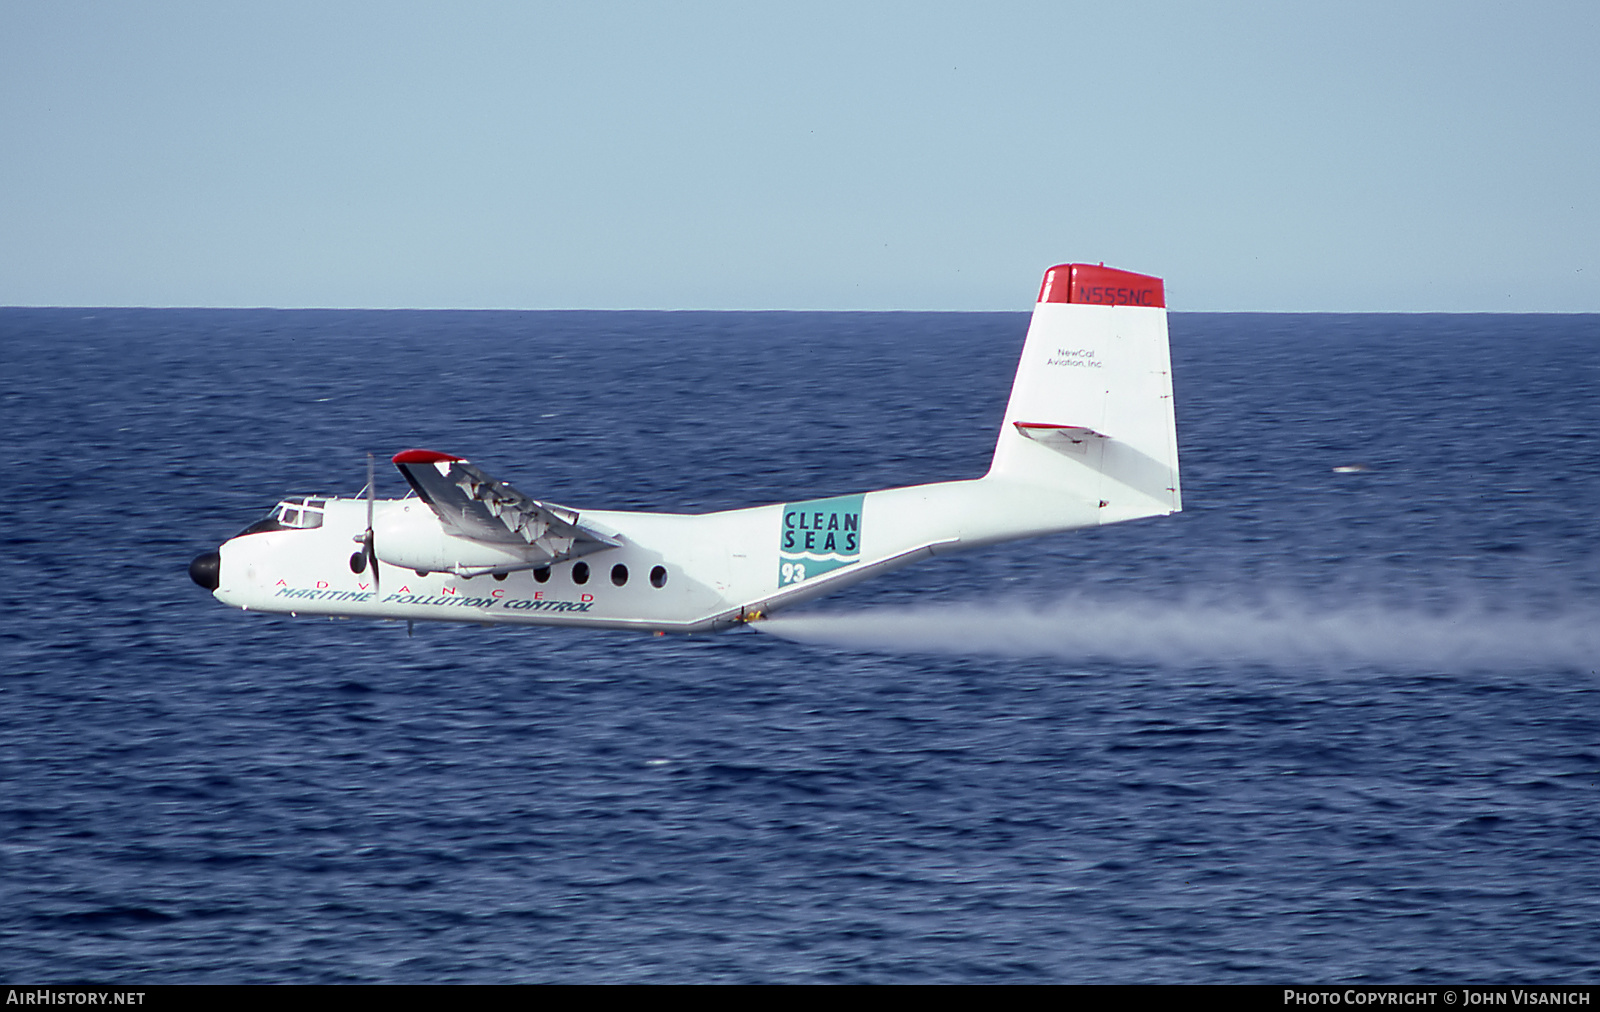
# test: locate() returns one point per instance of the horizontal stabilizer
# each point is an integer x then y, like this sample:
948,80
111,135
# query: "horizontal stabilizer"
1061,438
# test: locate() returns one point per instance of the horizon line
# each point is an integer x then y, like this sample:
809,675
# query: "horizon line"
616,309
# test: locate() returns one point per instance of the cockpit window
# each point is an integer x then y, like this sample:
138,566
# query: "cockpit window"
301,512
297,513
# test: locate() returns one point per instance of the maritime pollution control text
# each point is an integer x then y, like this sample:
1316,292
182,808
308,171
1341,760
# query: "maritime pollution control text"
452,600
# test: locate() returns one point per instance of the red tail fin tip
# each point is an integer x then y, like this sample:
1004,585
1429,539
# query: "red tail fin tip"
1101,285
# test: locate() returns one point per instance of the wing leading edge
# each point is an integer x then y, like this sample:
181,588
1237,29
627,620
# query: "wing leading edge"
472,505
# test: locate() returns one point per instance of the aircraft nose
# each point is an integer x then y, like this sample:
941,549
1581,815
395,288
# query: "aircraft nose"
206,570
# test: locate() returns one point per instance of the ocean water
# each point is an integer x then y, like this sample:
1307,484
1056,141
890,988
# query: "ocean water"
1323,726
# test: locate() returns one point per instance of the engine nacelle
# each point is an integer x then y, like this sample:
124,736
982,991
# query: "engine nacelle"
409,535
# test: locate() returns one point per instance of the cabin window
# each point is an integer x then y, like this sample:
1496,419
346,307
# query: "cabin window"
580,573
619,574
658,576
542,574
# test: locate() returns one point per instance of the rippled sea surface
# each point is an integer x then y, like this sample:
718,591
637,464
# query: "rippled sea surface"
1323,726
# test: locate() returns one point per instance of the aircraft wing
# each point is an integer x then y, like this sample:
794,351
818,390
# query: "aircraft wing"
473,505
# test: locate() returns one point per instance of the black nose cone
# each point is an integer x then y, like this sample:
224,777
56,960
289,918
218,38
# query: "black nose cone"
206,570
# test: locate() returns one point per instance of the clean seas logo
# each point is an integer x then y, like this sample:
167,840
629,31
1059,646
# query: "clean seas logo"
818,536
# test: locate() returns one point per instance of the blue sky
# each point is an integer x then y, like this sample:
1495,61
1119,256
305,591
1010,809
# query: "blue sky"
1274,156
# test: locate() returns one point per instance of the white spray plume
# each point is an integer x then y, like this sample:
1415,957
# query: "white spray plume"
1285,631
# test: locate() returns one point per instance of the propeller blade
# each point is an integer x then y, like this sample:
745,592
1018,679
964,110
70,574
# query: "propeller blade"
371,555
368,542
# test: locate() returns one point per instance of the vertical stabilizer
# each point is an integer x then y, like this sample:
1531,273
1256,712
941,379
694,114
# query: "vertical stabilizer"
1090,415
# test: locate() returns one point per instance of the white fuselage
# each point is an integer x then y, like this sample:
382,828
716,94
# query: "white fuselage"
719,568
